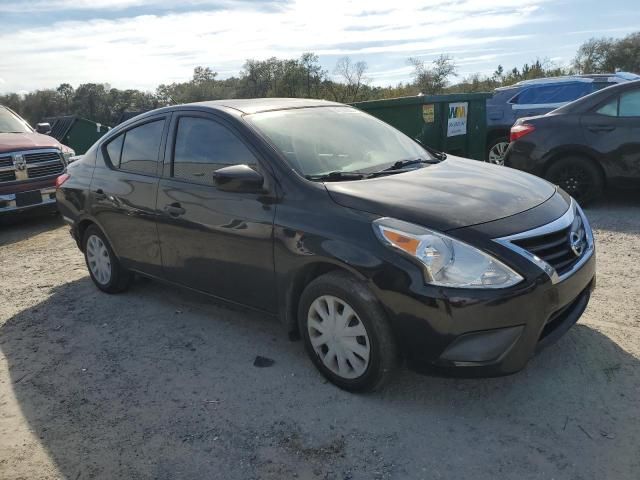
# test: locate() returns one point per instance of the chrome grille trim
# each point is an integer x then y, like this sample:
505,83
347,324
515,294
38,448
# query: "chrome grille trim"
565,221
54,168
6,162
40,157
40,163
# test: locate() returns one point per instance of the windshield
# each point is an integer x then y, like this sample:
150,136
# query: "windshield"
321,140
10,123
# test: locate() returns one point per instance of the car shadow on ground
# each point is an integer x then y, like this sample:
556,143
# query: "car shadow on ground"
158,383
20,226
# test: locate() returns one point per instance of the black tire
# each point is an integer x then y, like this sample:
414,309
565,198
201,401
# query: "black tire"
119,278
383,352
494,145
578,176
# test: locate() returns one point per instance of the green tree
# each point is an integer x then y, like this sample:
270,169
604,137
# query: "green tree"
432,79
607,55
66,91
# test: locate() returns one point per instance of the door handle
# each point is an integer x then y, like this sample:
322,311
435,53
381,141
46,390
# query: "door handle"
174,209
100,195
602,128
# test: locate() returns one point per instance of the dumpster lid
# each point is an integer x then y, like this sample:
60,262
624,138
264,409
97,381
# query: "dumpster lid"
60,126
424,99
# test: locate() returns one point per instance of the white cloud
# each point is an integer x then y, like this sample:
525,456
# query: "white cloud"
19,6
144,51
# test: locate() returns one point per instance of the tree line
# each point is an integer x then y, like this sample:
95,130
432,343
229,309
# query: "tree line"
304,77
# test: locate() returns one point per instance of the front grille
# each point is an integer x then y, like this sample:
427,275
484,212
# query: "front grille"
38,157
46,170
39,164
7,176
6,162
555,247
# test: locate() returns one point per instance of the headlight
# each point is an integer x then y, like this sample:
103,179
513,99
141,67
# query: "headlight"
447,262
67,154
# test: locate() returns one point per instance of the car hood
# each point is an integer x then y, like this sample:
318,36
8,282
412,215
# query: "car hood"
452,194
10,142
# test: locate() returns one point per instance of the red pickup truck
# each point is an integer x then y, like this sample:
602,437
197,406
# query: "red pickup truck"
29,164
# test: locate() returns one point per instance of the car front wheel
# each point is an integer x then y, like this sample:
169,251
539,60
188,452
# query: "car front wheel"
346,333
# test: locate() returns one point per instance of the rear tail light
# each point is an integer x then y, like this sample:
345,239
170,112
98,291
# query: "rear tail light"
520,130
61,179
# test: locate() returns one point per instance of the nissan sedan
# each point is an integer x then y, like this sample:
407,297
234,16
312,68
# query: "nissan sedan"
371,247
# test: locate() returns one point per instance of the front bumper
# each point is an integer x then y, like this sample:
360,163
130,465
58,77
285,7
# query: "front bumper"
17,202
480,333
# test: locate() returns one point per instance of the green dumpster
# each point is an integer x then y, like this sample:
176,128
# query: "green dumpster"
455,124
76,132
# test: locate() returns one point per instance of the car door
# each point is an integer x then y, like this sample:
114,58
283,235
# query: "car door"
613,130
124,189
215,241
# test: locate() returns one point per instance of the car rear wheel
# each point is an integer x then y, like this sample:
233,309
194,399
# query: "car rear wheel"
104,268
577,176
346,333
497,151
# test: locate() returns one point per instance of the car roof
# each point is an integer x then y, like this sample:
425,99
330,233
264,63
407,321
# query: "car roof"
256,105
613,78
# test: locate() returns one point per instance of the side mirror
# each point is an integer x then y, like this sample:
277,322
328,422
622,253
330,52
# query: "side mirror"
44,128
238,178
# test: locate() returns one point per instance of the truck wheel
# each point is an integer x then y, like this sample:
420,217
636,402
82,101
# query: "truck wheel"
346,333
577,176
104,268
497,151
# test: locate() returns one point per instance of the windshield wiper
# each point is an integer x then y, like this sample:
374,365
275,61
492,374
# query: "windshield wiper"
436,153
336,176
401,164
397,167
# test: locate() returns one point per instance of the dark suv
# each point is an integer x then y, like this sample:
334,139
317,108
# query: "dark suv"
370,246
537,97
29,164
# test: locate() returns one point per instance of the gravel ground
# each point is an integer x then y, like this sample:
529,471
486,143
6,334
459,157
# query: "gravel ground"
160,383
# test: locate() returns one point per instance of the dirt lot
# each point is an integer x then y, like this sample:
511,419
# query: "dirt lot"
160,383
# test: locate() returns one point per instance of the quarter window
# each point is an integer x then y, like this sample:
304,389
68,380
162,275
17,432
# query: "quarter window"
204,146
609,109
114,149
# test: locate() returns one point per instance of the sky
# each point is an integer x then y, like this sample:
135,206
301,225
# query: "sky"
143,43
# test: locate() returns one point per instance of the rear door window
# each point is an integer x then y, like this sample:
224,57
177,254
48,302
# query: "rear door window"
203,146
141,147
630,104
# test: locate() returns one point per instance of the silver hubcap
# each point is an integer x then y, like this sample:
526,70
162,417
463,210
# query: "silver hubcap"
98,259
338,337
497,152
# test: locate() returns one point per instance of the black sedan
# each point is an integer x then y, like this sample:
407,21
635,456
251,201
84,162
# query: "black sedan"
368,245
584,146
